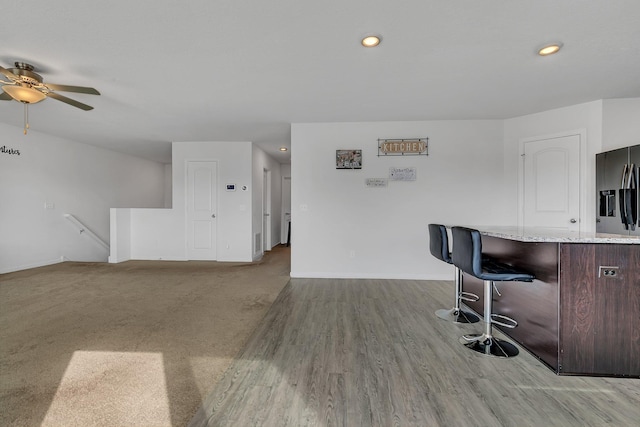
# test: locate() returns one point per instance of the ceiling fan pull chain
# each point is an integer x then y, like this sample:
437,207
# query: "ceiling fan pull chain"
26,117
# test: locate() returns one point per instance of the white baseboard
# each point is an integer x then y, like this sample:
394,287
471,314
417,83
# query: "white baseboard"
34,265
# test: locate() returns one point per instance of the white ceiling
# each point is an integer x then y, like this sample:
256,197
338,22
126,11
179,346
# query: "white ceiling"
244,70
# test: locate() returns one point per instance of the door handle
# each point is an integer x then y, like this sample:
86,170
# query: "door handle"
573,221
628,196
632,206
625,171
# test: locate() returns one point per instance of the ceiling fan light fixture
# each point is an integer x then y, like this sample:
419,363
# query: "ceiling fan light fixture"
24,94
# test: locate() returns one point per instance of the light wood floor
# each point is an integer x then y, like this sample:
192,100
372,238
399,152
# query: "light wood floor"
372,353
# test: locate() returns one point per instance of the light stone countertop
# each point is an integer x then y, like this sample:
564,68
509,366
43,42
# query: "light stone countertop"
539,234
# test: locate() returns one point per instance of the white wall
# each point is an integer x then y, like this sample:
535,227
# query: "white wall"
234,208
343,229
161,233
470,177
168,189
120,235
620,123
74,178
156,234
285,169
262,161
585,118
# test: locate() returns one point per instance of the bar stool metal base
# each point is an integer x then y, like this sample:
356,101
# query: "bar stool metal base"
489,345
457,316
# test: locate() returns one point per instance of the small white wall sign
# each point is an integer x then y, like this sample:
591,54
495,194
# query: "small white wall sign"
376,182
402,174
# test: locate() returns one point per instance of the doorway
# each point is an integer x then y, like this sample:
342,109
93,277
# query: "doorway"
201,210
285,233
551,176
266,210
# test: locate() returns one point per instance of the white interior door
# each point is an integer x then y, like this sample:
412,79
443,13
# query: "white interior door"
201,210
266,210
286,208
551,183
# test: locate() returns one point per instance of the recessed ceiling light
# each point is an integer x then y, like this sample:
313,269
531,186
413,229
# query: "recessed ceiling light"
371,41
283,148
549,49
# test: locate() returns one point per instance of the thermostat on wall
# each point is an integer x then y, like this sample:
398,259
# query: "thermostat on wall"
231,187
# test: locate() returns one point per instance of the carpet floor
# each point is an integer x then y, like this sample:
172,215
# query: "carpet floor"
139,343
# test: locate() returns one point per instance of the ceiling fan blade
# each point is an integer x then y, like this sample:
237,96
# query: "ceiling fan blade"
78,89
69,101
9,74
4,96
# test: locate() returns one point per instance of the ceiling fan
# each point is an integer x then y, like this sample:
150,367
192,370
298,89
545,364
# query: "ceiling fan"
26,86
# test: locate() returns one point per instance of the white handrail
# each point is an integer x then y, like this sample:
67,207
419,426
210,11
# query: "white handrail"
85,230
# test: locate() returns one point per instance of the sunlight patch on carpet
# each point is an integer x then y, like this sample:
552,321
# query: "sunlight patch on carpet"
111,388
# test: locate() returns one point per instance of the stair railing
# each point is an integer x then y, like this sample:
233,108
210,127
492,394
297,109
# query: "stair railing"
85,230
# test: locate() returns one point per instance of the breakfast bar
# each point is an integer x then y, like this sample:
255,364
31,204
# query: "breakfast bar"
581,314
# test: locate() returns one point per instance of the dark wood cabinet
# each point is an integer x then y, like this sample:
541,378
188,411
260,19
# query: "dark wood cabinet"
581,316
600,313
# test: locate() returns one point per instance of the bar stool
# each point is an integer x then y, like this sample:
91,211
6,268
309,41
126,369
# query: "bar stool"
467,255
439,246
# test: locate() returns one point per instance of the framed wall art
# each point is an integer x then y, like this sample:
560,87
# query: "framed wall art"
348,159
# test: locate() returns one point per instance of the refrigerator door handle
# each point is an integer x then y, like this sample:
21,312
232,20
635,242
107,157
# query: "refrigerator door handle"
633,195
624,177
631,177
623,198
629,197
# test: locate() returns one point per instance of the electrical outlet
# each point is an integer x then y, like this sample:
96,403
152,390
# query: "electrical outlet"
610,272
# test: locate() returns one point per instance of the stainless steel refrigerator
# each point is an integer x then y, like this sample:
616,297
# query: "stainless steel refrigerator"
618,187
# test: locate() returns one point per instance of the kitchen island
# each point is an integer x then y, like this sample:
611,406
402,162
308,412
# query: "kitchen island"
581,315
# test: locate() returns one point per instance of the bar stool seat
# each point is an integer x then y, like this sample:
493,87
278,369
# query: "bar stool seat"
467,256
439,247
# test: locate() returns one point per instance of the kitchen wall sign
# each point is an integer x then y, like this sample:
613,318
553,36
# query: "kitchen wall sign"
403,147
